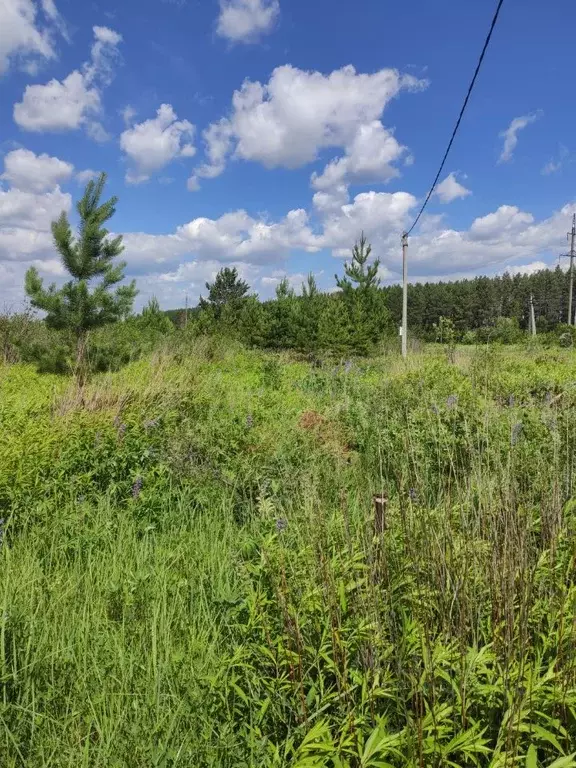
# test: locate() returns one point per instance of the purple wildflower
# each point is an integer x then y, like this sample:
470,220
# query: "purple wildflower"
136,488
548,398
434,409
281,524
348,366
151,424
249,421
413,493
511,401
452,401
121,430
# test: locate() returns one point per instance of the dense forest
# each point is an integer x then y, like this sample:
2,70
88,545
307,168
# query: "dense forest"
479,302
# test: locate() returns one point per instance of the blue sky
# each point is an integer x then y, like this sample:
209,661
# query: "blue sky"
269,133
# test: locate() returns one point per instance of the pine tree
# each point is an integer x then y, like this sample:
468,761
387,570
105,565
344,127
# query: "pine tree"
154,319
360,274
366,311
310,288
285,316
284,290
334,331
310,303
227,288
82,305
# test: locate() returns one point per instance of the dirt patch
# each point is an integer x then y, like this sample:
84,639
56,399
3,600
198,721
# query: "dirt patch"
327,434
311,420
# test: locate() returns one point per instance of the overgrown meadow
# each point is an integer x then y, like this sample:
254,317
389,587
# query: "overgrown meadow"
194,572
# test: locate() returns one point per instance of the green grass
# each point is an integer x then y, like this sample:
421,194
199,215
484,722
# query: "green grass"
191,574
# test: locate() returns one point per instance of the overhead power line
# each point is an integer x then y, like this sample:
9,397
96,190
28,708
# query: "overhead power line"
455,131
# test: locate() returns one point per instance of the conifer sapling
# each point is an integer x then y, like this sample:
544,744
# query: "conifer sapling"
83,303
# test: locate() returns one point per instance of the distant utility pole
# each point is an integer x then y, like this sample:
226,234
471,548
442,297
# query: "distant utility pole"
404,295
572,240
186,311
532,316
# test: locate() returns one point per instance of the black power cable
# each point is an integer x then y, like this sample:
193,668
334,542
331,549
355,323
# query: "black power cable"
455,131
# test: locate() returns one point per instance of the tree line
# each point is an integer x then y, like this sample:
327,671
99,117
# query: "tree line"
361,312
81,331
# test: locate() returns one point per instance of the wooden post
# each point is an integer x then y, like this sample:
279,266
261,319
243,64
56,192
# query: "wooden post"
380,507
572,236
404,295
532,317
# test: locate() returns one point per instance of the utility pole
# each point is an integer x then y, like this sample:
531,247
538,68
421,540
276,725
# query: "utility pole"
532,317
572,240
404,295
186,312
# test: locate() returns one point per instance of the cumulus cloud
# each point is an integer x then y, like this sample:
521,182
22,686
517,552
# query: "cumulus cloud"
25,219
510,135
29,172
506,235
235,236
28,210
74,102
368,158
26,35
151,145
34,199
507,220
289,120
246,21
450,189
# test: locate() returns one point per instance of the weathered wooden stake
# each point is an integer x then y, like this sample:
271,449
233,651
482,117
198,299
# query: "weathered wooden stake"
380,506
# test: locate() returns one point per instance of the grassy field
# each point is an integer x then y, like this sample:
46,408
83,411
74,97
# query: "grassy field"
193,571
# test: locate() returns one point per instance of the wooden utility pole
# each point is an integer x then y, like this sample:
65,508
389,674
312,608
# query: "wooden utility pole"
186,311
572,240
532,316
404,295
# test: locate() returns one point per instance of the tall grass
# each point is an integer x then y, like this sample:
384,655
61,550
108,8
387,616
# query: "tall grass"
193,572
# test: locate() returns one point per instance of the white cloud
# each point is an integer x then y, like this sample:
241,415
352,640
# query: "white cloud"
382,216
246,21
22,37
29,172
57,106
25,219
83,177
450,189
153,144
510,135
218,140
506,235
128,115
104,55
368,158
32,203
74,102
527,269
28,210
287,121
555,163
507,220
